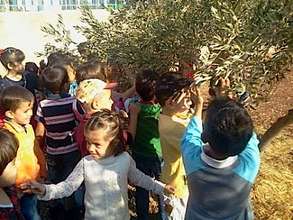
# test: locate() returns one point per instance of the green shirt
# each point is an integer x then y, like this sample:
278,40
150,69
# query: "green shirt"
147,138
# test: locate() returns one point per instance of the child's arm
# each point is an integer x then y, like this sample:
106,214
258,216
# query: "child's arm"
138,178
133,115
60,190
40,131
191,141
41,160
124,95
40,128
249,160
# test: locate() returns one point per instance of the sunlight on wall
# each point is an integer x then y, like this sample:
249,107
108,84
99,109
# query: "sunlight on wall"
23,29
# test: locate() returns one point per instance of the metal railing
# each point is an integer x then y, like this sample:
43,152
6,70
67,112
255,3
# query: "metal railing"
114,4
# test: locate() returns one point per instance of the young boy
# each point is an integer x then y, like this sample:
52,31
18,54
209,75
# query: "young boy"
17,103
12,60
57,121
146,150
172,123
221,172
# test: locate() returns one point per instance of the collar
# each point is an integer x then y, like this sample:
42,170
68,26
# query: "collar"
53,96
18,128
218,164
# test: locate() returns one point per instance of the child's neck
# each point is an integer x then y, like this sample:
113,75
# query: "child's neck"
168,112
14,76
209,151
150,102
18,126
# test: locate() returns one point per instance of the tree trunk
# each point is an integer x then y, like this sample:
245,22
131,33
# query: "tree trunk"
275,129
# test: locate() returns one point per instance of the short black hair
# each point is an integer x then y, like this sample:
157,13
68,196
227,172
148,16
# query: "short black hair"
54,79
31,67
11,55
145,84
92,70
8,149
13,96
227,127
169,84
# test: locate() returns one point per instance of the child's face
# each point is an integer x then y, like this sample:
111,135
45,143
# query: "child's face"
71,73
97,144
104,100
17,67
22,115
8,176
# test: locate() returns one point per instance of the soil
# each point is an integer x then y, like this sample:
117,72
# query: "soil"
277,104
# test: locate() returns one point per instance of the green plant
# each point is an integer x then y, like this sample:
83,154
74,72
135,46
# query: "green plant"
249,41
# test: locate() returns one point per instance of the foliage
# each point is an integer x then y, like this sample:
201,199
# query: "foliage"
249,41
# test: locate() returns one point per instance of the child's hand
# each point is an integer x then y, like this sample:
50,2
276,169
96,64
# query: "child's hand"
134,109
169,189
222,89
195,96
33,187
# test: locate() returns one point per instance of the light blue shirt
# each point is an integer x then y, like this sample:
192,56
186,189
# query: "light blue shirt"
218,189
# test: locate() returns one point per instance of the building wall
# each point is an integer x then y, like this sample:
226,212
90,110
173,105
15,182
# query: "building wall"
39,5
23,29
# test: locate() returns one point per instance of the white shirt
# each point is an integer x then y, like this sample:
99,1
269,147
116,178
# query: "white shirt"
106,186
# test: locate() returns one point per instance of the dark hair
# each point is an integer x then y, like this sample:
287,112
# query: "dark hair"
91,70
145,84
59,59
11,56
13,96
8,148
228,127
169,84
31,67
113,123
54,79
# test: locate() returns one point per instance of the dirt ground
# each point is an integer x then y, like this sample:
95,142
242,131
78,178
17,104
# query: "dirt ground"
273,191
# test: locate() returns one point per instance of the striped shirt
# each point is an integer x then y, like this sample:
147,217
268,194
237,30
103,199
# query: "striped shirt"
58,115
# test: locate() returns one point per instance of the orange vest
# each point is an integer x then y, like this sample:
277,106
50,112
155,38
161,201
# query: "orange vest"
30,161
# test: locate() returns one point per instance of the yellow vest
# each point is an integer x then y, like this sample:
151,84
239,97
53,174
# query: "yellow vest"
29,157
171,131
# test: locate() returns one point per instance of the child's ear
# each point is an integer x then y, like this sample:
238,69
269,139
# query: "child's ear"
95,104
9,114
169,102
10,66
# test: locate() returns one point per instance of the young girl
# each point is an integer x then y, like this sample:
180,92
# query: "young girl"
105,172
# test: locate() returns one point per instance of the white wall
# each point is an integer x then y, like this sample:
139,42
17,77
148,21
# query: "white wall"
23,29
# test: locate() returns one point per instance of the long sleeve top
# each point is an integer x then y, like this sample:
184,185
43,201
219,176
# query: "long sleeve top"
219,189
173,172
106,186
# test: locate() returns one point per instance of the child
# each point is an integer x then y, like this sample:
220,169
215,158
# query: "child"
95,95
221,172
17,103
172,123
92,70
12,59
105,172
144,129
60,59
9,204
57,121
